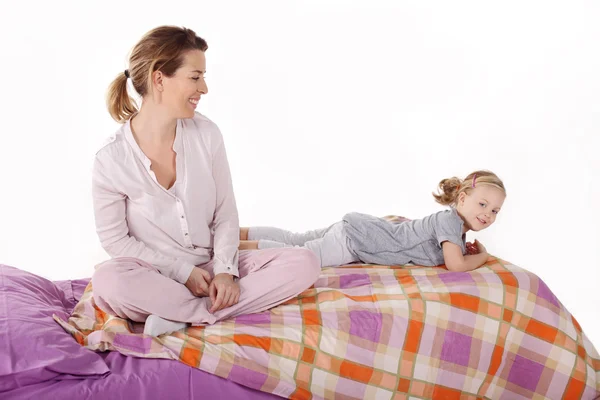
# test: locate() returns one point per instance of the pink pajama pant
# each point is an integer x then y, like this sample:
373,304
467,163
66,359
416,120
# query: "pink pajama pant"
131,288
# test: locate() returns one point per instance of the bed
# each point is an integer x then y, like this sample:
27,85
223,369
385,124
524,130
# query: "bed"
40,360
361,332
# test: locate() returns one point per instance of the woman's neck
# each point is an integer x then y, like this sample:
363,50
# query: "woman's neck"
151,126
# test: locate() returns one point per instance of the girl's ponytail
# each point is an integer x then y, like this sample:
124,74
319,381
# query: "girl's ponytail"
450,188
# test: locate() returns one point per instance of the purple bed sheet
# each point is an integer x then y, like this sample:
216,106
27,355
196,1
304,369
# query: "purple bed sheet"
129,377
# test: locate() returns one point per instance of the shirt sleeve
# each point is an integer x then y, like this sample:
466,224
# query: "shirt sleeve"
225,223
112,229
447,228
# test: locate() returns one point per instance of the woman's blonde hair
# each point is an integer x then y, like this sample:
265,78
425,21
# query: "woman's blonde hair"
450,188
163,49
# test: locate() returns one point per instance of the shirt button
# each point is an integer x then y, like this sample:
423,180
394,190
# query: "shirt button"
228,267
182,216
186,234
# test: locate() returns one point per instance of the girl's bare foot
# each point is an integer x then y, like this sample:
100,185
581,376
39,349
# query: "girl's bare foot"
248,245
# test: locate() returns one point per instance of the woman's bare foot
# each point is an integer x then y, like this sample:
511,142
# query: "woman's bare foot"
244,233
248,245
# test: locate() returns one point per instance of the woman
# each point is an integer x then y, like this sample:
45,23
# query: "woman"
165,208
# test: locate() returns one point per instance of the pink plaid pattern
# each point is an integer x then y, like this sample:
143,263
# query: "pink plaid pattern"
373,332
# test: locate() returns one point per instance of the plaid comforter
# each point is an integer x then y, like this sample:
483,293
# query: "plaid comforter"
373,332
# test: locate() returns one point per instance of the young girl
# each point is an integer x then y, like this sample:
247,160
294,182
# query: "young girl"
434,240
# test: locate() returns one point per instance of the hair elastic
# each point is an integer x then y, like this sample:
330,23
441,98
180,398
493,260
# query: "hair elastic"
474,177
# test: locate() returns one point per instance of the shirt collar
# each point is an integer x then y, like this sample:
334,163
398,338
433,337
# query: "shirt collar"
177,143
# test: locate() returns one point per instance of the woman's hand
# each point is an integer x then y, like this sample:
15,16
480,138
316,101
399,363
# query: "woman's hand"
224,292
198,282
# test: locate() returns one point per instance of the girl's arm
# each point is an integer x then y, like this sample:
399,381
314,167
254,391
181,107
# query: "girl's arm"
455,261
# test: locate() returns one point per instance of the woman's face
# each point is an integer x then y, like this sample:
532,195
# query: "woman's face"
182,91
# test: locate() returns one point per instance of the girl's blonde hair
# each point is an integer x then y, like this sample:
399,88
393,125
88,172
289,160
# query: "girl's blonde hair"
163,49
450,188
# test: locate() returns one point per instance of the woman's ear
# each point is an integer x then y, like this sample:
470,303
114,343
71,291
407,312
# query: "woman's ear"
157,80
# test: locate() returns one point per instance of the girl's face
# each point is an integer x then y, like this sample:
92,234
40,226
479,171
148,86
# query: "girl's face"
182,91
480,208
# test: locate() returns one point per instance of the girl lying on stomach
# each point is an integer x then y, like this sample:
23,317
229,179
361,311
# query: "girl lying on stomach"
439,238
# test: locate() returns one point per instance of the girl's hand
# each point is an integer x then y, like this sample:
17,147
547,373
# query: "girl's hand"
480,247
224,292
472,249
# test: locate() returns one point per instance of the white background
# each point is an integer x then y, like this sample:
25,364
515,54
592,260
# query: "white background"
326,107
